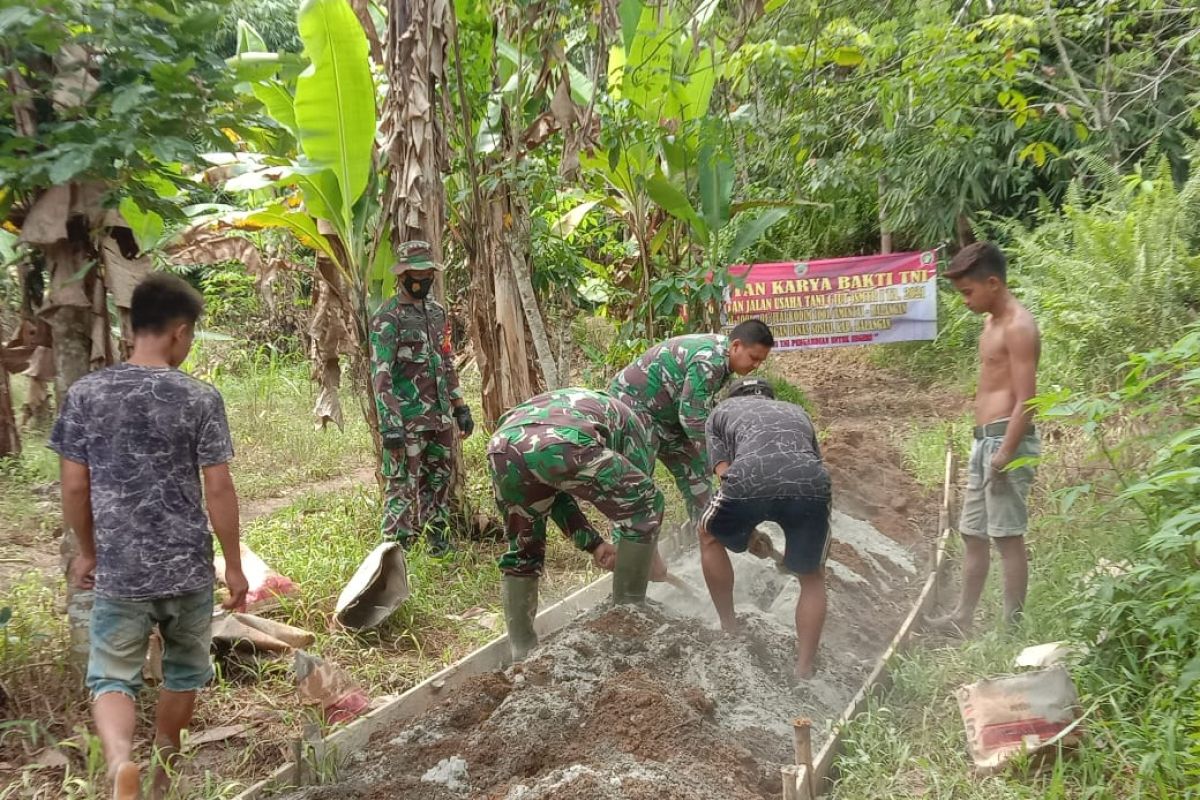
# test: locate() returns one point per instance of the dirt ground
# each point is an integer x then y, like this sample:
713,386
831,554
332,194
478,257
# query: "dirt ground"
657,702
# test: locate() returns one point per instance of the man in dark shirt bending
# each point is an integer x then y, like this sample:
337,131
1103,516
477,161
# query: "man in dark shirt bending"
766,456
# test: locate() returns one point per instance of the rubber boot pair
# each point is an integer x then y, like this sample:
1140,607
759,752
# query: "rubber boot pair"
632,571
520,596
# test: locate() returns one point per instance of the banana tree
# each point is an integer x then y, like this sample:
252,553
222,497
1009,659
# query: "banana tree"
660,83
327,194
528,93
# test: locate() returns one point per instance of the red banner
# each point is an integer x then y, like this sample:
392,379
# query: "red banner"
836,302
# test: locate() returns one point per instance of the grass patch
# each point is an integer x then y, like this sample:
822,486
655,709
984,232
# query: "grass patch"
786,391
924,449
910,742
22,482
269,400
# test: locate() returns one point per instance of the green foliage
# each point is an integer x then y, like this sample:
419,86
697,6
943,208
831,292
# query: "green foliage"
275,20
229,296
923,113
1143,618
1119,274
326,195
104,85
1113,272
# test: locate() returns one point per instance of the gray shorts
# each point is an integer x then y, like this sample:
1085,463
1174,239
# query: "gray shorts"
995,501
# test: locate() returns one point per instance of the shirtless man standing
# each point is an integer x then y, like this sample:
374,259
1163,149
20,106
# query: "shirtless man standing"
994,508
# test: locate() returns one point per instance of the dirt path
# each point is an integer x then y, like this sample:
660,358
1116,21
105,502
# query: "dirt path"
264,506
862,409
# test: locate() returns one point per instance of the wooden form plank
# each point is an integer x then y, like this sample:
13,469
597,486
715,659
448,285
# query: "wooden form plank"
823,771
344,742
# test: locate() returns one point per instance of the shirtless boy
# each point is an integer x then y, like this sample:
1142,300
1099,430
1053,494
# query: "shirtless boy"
994,509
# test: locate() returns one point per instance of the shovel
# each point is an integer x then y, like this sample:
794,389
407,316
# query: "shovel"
761,546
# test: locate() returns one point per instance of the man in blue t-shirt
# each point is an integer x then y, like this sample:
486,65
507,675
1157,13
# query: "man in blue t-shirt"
134,439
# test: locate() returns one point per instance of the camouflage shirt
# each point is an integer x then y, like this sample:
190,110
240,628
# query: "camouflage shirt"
582,417
412,367
673,385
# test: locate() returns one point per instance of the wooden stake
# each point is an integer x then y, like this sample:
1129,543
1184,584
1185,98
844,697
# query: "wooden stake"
802,741
793,776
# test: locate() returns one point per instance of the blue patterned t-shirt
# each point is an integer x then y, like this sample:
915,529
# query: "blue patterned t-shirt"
144,433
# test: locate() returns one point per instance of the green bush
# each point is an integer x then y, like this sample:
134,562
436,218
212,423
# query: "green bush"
1104,280
1141,618
1113,278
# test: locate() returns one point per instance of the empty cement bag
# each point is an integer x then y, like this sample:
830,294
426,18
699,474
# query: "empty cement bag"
266,585
378,587
1029,713
323,683
248,632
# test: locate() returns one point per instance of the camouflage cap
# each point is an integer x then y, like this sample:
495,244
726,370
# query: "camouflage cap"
415,255
747,387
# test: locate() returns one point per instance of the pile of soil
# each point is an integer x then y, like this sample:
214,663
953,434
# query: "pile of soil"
625,703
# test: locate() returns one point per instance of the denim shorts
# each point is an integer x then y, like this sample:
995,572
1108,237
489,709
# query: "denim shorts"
120,635
805,523
994,504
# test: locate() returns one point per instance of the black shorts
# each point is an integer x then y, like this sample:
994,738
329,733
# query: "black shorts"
805,523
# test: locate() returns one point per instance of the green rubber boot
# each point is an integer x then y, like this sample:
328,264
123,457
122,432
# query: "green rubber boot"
632,571
520,597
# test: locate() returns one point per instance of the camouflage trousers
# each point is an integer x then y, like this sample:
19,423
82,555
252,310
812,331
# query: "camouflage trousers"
541,476
688,464
416,491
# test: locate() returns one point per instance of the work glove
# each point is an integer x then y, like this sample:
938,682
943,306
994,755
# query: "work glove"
462,415
392,440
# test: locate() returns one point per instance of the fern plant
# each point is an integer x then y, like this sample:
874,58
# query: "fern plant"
1115,277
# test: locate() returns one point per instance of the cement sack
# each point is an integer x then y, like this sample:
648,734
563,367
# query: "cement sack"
266,585
1029,713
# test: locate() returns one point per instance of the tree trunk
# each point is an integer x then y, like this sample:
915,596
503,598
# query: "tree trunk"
332,333
498,328
963,230
10,439
497,320
70,315
518,244
885,235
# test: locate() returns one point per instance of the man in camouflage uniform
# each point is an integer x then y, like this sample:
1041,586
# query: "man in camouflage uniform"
548,452
672,388
416,393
